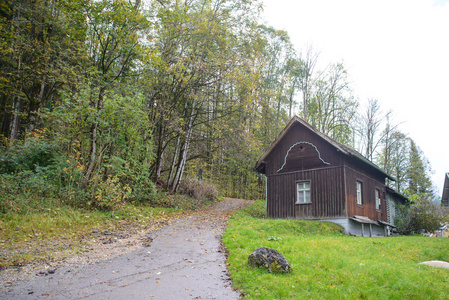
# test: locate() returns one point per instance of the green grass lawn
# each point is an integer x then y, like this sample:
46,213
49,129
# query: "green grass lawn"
330,265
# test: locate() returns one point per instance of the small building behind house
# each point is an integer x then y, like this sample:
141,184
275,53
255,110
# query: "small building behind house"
394,201
445,196
442,231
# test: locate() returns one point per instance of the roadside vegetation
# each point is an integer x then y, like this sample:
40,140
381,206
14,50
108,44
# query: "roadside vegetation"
47,212
59,232
54,232
330,265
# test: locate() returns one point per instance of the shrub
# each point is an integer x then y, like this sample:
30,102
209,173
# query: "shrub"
199,190
27,158
109,194
144,190
25,192
422,214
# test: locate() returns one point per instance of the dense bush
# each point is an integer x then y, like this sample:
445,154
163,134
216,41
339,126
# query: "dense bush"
199,190
25,192
192,195
27,158
421,214
109,194
39,175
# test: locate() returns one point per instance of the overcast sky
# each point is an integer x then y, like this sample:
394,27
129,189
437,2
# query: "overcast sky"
396,51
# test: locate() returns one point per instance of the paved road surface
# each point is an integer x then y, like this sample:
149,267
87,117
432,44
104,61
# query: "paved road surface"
184,261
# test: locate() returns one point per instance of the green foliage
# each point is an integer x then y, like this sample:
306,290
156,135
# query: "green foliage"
25,192
420,215
255,210
31,158
330,265
143,190
109,194
418,173
37,176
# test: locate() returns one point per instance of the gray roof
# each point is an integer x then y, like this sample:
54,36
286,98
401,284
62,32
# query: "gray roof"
445,197
340,147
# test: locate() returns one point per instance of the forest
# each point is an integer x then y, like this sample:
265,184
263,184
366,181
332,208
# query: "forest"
105,101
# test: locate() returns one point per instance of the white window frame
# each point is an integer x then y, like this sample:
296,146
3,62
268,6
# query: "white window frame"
359,187
302,189
377,196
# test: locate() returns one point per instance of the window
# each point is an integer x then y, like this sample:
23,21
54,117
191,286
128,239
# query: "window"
359,193
377,195
303,192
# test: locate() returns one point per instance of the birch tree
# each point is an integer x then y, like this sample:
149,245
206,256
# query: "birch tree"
332,108
308,61
371,121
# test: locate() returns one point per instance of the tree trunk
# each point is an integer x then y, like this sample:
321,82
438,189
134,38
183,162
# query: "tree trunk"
184,150
175,158
156,172
15,119
93,149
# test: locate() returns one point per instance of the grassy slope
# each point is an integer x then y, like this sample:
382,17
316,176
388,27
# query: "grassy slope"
329,265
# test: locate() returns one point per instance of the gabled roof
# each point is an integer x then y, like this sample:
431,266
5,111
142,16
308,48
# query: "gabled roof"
340,147
397,195
445,197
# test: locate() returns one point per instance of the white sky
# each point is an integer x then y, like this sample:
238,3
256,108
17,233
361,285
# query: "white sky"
396,51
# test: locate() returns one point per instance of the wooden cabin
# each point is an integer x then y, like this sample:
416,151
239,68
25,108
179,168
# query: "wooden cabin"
311,176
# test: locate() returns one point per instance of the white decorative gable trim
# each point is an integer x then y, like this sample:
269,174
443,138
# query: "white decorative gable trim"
298,143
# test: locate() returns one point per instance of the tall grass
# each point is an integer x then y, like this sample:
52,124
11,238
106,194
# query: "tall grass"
330,265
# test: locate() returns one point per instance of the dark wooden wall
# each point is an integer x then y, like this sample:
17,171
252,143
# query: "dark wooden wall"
304,155
368,207
327,194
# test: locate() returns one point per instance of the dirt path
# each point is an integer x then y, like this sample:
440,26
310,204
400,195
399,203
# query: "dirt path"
183,261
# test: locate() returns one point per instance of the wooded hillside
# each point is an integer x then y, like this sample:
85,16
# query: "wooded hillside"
103,99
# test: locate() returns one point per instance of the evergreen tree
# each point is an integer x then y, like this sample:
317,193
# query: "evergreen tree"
419,182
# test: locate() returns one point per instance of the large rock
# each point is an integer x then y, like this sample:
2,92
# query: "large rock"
269,258
436,264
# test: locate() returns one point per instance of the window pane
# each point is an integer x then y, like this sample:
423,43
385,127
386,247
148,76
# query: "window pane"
377,193
359,192
300,197
303,192
307,194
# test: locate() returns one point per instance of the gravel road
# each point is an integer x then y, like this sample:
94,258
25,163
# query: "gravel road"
184,260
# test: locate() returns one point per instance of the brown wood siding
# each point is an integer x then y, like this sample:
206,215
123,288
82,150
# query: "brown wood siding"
369,185
327,194
364,169
312,152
